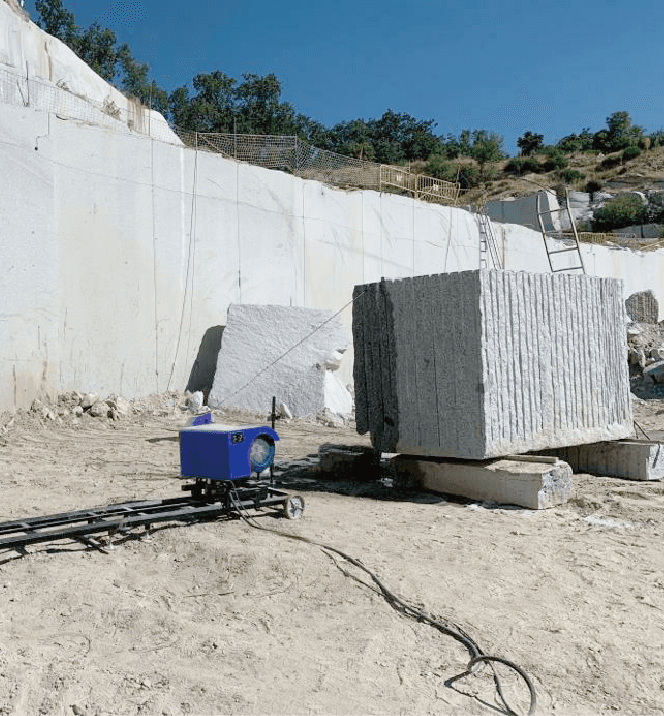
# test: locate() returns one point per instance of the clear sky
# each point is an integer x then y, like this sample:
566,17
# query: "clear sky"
506,66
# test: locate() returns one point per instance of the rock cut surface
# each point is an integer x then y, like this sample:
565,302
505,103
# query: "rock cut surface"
283,351
486,363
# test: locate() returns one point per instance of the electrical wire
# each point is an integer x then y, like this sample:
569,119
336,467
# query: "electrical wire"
477,655
636,425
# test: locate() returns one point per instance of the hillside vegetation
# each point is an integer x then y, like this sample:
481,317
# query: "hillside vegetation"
620,157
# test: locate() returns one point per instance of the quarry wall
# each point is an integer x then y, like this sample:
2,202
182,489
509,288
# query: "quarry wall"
122,252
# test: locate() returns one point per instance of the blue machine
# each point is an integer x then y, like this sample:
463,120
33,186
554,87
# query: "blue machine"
222,460
226,452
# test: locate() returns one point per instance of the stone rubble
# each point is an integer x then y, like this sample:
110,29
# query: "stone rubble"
645,357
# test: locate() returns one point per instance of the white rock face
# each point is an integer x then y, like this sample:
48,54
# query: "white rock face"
59,81
486,363
276,351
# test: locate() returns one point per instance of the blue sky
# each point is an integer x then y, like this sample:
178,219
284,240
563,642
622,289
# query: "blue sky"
509,66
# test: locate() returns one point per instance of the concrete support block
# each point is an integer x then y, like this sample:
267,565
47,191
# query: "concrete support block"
532,484
487,363
345,461
630,459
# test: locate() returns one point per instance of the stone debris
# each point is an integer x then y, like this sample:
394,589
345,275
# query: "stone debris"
655,371
281,351
485,363
284,412
194,401
645,357
642,307
330,419
88,400
74,404
99,409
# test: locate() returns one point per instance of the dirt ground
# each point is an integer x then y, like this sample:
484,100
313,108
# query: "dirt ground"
219,618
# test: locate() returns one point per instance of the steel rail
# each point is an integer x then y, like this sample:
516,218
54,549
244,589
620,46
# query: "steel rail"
115,518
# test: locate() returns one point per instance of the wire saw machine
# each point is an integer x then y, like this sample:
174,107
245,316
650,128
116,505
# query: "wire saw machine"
221,459
226,463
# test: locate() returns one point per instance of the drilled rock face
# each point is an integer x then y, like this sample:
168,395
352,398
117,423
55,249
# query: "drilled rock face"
642,307
487,363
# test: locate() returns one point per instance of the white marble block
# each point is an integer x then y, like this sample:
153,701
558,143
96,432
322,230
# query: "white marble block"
283,351
486,363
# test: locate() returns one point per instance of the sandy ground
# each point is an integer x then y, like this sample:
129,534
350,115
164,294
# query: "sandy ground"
218,618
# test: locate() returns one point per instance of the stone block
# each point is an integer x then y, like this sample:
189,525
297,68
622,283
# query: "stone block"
485,363
280,351
345,461
629,459
642,307
532,484
655,371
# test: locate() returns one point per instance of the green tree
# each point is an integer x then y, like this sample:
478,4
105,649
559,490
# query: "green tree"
260,109
621,133
57,21
465,143
97,47
487,148
213,106
530,143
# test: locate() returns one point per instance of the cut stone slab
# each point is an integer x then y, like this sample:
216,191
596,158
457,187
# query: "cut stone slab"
642,307
629,459
280,351
535,485
486,363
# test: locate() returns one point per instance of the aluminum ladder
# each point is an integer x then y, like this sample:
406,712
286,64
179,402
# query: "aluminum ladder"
488,245
549,233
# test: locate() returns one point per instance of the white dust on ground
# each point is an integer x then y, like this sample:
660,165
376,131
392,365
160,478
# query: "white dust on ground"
217,618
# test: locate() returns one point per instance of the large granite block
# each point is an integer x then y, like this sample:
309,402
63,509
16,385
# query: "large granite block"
485,363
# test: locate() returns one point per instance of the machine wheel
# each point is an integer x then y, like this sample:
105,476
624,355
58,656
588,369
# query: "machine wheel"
293,507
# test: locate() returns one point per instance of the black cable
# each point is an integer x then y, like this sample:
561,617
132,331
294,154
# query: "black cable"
636,425
477,655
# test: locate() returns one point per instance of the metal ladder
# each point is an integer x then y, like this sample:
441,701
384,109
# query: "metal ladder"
488,243
551,233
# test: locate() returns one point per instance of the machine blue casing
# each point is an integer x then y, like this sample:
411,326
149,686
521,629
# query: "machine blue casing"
222,452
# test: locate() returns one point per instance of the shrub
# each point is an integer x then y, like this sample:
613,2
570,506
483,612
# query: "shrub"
657,139
570,175
438,167
611,161
631,152
530,143
469,176
556,160
592,186
624,210
520,165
